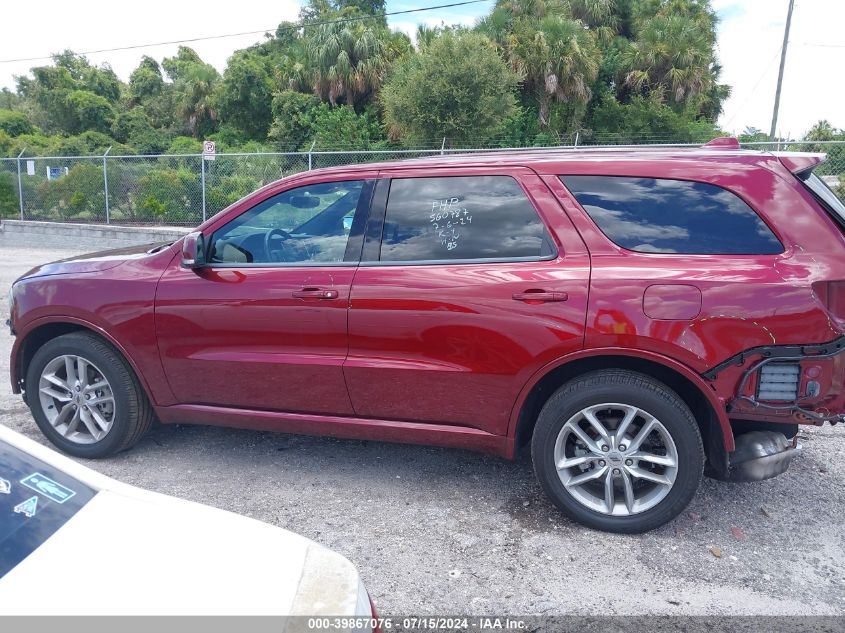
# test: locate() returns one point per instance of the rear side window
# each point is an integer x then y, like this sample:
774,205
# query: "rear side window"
461,218
832,204
655,215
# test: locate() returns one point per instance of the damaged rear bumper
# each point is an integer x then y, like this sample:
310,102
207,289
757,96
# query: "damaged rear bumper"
802,384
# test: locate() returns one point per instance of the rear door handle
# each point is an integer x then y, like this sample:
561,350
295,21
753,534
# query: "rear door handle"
539,296
315,293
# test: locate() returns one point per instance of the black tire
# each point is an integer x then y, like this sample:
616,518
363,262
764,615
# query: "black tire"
629,388
133,414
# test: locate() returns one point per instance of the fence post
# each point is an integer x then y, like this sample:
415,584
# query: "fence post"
106,184
20,182
313,143
443,146
577,135
202,169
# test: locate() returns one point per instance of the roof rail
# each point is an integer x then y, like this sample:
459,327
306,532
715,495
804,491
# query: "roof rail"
723,142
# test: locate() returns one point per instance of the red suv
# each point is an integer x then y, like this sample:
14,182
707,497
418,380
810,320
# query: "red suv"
637,317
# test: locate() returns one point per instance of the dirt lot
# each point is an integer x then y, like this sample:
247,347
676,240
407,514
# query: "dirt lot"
438,531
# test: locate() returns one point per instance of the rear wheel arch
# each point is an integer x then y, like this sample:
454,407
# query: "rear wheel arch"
715,432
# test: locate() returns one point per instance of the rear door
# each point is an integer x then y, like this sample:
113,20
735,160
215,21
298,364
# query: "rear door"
470,281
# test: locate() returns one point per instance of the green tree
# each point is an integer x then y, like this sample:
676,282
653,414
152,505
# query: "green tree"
9,100
194,84
458,86
134,128
752,134
346,61
87,111
339,127
145,82
15,123
293,119
555,53
558,59
672,55
246,94
71,95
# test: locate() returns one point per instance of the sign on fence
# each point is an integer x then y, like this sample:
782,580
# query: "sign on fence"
30,168
209,149
54,173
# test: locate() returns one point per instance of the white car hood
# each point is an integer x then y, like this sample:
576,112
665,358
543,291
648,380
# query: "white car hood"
129,551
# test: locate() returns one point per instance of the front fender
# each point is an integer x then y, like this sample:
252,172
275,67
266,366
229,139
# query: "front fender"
118,304
31,333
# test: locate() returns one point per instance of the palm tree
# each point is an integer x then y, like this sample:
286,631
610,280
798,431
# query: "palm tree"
557,58
348,61
672,57
196,99
554,53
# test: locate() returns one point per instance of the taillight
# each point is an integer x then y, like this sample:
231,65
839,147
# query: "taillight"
832,295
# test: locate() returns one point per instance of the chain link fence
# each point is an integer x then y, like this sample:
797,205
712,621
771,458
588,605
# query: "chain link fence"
186,189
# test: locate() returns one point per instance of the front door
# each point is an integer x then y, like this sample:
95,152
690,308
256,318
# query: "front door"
478,280
263,325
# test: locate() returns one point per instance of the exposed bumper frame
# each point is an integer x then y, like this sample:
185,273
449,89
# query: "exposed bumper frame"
776,353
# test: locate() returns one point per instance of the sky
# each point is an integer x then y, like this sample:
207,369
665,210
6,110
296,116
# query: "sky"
749,39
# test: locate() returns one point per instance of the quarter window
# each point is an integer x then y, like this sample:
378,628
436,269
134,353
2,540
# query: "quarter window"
309,224
654,215
461,218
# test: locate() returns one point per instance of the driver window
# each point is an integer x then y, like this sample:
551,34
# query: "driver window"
306,224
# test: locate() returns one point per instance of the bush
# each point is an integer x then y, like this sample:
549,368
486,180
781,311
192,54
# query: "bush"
15,123
646,119
80,191
169,194
9,204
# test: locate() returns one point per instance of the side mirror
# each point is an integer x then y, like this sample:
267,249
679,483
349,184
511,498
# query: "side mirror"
193,250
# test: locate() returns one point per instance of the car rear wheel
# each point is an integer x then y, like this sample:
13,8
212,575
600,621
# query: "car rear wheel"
85,398
618,451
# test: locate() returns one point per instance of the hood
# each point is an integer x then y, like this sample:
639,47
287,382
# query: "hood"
130,551
95,262
161,556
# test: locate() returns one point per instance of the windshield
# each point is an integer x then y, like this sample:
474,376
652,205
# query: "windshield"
824,193
35,501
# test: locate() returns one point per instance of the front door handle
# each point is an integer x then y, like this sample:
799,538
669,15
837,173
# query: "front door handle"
315,293
539,296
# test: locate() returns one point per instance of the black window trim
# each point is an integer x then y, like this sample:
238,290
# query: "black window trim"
776,235
354,244
375,229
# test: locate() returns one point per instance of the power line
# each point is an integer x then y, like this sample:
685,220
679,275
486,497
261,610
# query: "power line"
295,25
754,89
814,45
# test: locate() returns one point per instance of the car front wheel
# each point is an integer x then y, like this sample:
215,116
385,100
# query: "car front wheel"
618,451
85,397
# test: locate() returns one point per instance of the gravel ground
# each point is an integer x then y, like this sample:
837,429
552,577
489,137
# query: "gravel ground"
437,531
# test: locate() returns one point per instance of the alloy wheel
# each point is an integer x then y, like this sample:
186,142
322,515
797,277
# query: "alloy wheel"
616,459
76,399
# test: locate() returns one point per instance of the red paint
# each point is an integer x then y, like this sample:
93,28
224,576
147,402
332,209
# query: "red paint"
447,354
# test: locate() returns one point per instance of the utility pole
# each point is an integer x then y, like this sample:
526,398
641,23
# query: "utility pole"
780,73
